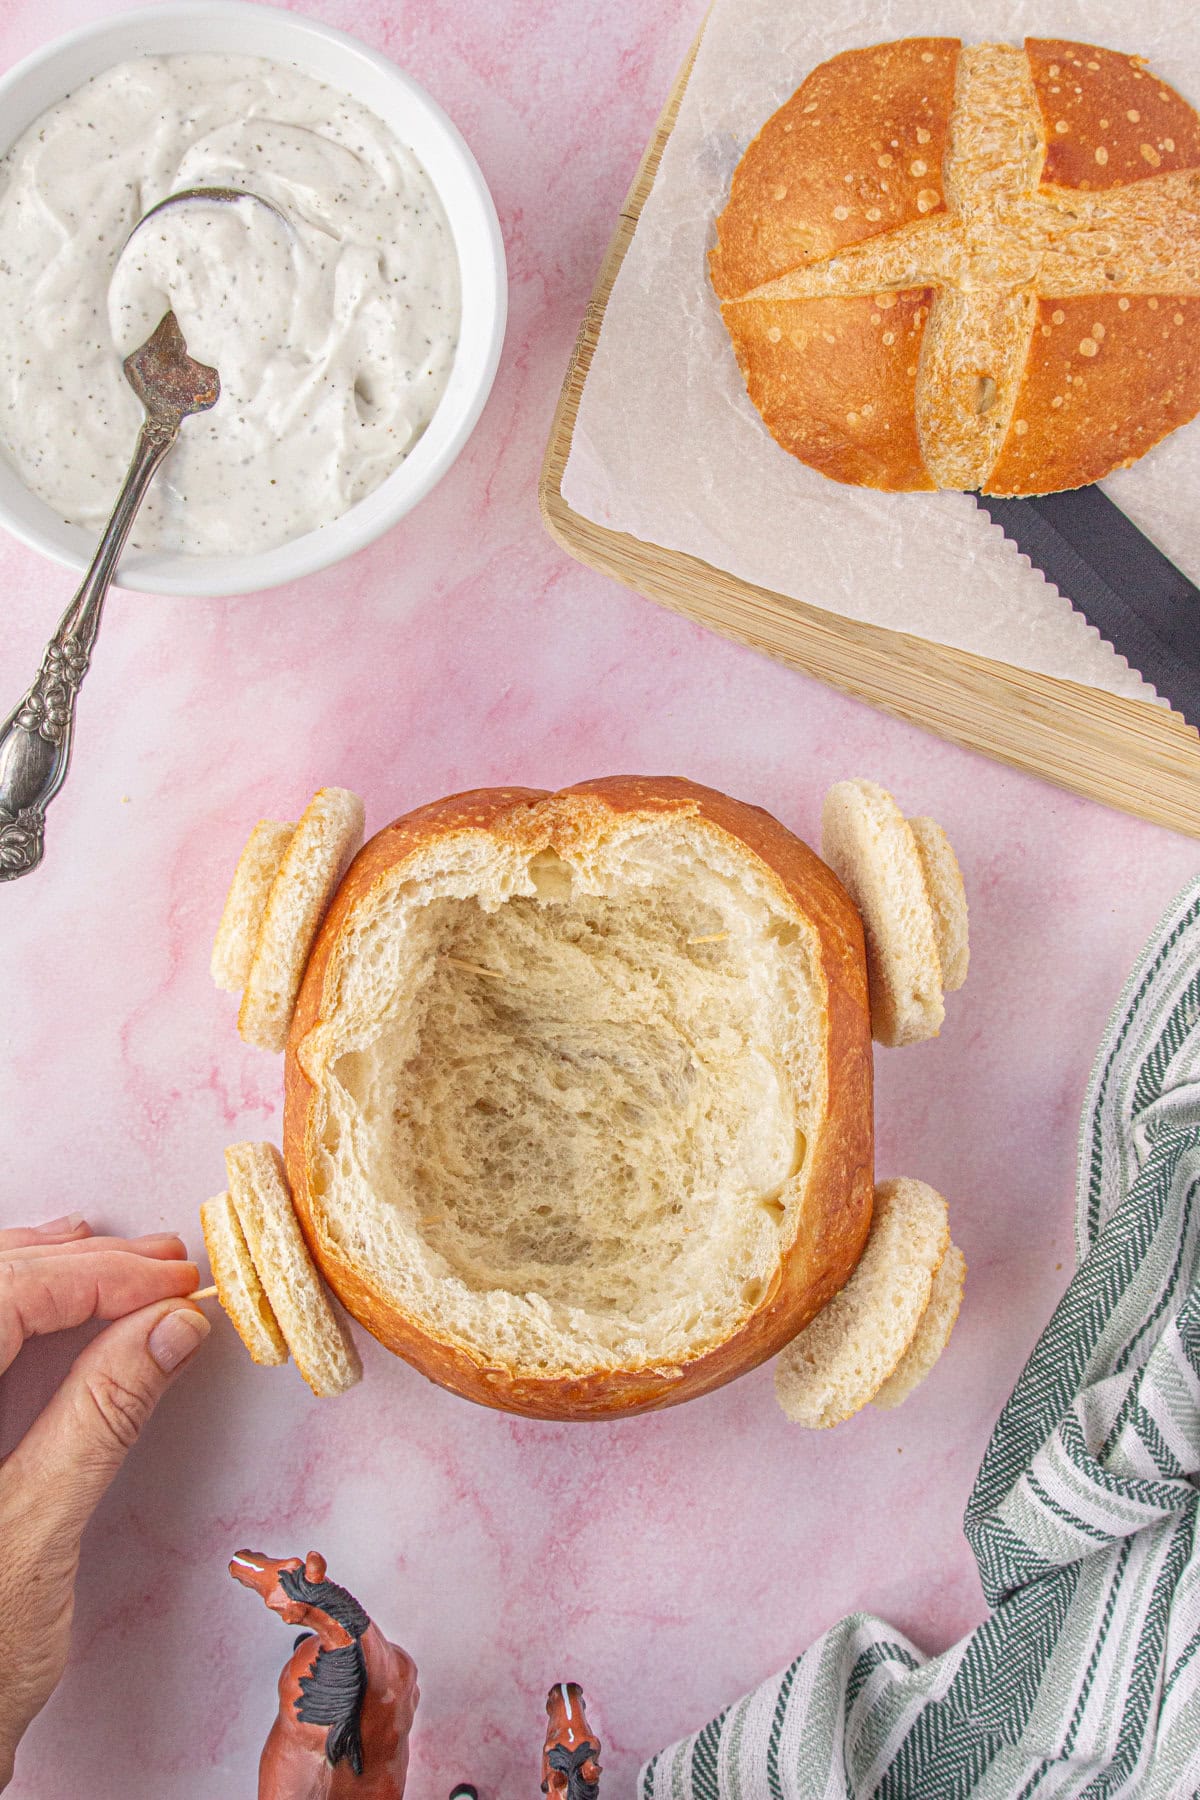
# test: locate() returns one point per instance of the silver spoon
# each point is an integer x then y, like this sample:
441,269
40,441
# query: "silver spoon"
35,740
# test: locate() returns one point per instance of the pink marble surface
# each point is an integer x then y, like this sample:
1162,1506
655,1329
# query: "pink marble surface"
667,1563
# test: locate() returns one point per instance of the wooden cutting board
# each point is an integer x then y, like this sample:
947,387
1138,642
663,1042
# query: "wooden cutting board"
1124,753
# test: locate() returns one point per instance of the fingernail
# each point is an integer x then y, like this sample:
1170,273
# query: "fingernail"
176,1336
60,1227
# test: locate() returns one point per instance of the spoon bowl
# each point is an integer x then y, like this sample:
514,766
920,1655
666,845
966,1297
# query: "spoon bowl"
220,195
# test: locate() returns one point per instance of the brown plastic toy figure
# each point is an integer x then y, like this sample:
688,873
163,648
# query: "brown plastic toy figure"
346,1698
571,1756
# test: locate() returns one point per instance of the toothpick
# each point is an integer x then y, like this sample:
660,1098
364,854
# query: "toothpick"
714,937
208,1293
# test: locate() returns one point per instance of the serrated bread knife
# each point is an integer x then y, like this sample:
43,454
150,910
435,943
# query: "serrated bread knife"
1137,599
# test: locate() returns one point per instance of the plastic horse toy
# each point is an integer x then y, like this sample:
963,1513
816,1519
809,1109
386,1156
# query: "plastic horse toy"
346,1698
571,1757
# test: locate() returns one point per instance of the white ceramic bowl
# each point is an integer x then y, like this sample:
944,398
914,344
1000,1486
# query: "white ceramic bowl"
342,62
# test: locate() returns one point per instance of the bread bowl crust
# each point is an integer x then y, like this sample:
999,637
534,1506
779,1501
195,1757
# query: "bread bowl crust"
837,1212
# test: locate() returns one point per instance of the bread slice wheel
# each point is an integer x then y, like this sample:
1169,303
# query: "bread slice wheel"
871,848
323,1349
325,841
932,1334
246,902
841,1361
238,1288
948,898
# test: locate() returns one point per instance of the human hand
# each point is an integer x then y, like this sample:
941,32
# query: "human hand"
51,1279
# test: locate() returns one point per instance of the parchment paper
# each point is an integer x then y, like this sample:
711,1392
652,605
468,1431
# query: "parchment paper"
668,447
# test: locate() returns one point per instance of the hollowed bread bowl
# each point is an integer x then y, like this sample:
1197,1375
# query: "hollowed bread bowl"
578,1093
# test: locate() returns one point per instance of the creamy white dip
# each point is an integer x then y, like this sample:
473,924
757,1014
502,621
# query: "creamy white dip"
333,334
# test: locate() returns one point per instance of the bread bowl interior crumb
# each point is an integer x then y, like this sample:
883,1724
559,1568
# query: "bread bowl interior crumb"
564,1094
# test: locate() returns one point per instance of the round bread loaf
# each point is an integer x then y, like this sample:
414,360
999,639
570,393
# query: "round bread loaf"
969,267
578,1093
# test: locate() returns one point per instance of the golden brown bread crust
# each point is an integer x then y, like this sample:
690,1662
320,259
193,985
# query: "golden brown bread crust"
895,263
807,365
1108,376
878,115
1090,91
837,1213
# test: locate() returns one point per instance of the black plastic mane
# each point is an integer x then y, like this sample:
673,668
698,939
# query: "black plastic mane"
570,1763
333,1694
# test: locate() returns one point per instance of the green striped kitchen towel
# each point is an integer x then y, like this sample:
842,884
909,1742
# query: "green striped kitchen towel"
1085,1679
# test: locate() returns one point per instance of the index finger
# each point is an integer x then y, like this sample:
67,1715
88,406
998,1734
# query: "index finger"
41,1294
70,1230
161,1244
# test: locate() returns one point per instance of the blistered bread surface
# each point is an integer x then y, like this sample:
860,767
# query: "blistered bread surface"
969,267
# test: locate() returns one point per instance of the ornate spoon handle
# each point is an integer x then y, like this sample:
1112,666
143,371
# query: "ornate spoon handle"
35,740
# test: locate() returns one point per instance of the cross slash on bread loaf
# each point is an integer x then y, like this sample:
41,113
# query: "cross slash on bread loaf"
948,266
578,1096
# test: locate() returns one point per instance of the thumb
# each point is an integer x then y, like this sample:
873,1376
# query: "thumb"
74,1449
